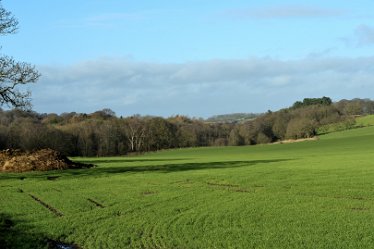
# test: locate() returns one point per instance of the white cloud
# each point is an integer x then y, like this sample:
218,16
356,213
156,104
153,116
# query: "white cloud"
364,35
199,88
284,11
103,20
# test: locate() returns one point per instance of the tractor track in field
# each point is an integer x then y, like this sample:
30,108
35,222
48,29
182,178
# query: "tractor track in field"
6,186
229,187
46,205
359,198
223,184
55,189
55,211
97,204
359,209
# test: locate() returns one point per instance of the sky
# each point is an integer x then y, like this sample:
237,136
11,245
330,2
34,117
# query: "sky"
197,58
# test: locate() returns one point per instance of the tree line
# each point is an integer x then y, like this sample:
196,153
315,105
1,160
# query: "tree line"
102,133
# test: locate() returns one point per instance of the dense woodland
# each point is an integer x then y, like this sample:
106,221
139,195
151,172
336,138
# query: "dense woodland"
102,133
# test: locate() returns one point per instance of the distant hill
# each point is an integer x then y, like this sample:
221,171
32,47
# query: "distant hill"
232,118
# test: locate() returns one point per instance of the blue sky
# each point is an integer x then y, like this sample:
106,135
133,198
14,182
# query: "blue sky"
196,58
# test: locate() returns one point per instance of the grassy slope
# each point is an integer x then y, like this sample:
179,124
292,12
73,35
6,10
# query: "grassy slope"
315,194
365,121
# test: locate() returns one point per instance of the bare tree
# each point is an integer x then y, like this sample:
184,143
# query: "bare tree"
135,131
12,73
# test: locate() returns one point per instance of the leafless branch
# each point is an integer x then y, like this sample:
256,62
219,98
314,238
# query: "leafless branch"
12,74
8,23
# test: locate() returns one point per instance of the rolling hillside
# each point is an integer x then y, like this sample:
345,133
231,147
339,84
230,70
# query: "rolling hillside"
315,194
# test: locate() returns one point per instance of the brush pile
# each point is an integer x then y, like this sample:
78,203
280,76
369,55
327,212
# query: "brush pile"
41,160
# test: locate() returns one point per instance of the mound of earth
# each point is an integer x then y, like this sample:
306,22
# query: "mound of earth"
41,160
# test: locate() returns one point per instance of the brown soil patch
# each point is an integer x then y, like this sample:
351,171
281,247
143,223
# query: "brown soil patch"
41,160
288,141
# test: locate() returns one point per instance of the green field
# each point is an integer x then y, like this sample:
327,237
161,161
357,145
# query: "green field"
315,194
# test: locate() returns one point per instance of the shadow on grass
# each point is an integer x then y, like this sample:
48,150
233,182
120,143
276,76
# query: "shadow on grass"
164,168
17,233
99,161
169,168
12,235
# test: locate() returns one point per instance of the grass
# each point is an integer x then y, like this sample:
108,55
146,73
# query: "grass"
358,122
315,194
365,121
